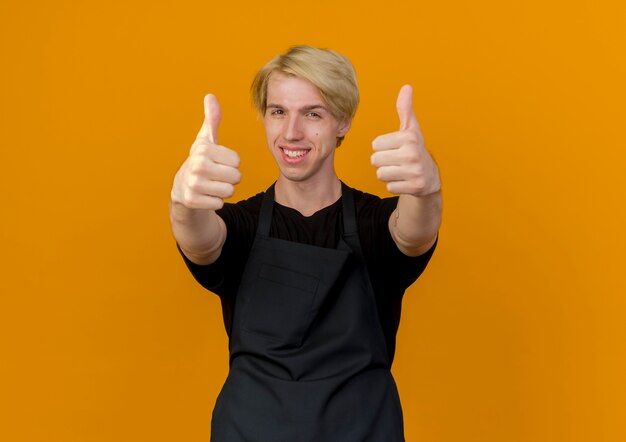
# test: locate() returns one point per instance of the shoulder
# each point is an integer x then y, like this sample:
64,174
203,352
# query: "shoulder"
250,205
241,211
372,208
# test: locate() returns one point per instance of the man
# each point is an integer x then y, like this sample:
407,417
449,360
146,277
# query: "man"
310,273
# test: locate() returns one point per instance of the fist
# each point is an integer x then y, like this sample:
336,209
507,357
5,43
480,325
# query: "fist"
211,171
400,157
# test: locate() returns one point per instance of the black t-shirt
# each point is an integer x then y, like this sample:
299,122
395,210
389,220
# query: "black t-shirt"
390,271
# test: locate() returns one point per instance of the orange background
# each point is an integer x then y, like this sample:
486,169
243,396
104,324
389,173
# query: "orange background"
516,332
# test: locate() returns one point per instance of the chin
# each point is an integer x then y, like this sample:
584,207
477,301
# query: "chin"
295,177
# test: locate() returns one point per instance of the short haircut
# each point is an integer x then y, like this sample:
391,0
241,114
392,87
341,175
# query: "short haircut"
332,74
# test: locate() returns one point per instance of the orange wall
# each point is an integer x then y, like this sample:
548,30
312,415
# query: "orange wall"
516,332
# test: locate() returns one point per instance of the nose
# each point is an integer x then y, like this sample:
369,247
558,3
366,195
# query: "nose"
293,128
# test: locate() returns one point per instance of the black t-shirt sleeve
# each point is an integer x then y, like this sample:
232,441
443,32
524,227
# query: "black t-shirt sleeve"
207,276
391,268
223,276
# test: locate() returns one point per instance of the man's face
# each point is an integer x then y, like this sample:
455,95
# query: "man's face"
301,132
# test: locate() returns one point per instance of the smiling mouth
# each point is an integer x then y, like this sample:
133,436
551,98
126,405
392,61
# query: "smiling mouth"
294,153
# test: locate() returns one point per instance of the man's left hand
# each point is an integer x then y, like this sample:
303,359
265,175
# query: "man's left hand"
401,158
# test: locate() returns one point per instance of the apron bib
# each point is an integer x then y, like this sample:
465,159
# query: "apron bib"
308,359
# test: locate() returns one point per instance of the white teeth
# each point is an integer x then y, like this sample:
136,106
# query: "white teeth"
294,153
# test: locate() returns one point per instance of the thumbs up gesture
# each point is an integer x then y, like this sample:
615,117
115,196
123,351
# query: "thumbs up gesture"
400,157
211,171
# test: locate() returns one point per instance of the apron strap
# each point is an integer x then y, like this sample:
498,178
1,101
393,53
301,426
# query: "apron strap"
350,231
265,216
349,212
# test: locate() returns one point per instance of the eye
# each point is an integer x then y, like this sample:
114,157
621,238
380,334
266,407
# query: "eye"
314,115
277,112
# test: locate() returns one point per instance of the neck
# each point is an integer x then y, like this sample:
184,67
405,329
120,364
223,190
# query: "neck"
307,197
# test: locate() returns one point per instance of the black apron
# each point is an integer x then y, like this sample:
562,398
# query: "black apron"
308,359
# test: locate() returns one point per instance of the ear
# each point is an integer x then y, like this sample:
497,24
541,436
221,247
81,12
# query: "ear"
344,127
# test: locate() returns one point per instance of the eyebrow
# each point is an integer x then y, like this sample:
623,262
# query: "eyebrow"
305,108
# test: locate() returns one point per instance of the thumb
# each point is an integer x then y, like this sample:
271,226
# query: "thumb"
212,118
404,105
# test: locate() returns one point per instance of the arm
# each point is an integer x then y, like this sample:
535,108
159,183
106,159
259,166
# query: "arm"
200,233
415,223
206,177
409,170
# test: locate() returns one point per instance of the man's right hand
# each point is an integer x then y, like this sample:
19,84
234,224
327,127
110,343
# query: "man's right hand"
211,171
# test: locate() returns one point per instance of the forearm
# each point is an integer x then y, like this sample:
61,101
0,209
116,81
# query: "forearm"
200,233
415,222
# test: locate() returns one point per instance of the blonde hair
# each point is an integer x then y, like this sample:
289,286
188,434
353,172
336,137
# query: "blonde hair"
331,73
